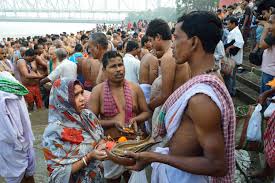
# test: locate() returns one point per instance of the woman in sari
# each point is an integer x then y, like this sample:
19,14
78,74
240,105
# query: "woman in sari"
72,140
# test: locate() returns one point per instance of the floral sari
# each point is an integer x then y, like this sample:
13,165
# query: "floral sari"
69,136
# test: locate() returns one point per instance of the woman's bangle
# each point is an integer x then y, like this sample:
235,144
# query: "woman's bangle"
84,161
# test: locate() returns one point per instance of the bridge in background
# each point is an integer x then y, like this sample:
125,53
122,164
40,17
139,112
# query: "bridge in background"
75,11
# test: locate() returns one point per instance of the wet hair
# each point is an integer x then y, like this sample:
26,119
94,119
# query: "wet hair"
78,48
84,37
100,39
144,40
108,56
131,46
204,25
233,20
219,10
231,7
159,27
29,52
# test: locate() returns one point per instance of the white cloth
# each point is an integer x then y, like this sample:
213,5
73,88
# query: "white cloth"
146,88
16,139
164,173
236,35
219,53
132,67
66,69
112,170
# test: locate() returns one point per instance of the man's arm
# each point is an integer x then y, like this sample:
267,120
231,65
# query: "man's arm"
263,43
168,67
209,134
39,61
25,73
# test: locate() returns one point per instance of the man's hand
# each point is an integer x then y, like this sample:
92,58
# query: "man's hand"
142,160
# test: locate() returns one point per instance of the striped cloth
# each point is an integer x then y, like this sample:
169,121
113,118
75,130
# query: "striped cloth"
109,105
228,119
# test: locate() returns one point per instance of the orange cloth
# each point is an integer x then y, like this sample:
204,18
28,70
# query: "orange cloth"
34,95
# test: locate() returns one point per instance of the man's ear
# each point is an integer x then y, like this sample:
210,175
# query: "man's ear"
195,42
158,37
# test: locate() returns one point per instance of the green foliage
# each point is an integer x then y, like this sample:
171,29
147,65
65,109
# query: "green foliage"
168,14
185,6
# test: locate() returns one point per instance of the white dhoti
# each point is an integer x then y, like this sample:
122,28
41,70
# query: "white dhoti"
163,173
146,88
112,170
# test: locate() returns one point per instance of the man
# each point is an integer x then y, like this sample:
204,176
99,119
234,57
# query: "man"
66,68
246,19
29,76
131,63
78,55
5,64
160,36
267,42
92,66
234,48
146,46
41,62
200,142
17,154
117,102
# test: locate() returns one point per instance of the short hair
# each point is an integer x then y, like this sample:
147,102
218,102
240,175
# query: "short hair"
131,46
29,52
61,53
78,48
144,40
84,37
100,39
233,20
205,25
231,7
159,26
219,10
109,55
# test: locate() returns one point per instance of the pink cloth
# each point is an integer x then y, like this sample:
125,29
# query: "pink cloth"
109,105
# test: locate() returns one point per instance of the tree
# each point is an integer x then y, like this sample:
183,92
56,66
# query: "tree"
191,5
167,14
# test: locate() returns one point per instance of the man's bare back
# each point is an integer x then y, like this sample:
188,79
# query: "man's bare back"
41,64
148,69
23,67
90,70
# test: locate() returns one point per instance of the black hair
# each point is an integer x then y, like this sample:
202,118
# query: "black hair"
78,48
100,39
144,40
233,20
84,37
159,27
131,46
204,25
231,7
219,10
109,55
29,52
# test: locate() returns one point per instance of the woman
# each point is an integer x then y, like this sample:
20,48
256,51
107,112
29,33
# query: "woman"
72,140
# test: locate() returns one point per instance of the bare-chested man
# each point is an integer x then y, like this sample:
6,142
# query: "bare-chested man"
30,79
201,142
41,62
117,102
91,67
159,34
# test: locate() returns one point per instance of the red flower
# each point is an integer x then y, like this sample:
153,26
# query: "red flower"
92,174
57,83
72,135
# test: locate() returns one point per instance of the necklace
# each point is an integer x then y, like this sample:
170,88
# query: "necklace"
214,69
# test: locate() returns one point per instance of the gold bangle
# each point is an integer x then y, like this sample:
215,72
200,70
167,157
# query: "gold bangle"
84,161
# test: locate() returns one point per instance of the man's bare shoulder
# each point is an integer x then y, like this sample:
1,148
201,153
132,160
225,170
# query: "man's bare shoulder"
202,104
134,86
98,88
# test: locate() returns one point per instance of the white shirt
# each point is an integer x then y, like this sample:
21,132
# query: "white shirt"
219,53
236,35
132,66
66,69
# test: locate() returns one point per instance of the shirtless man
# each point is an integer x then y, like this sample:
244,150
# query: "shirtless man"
159,34
146,46
98,45
30,79
41,62
117,102
201,142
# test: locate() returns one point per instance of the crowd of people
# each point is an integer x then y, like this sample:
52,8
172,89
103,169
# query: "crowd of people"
157,78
